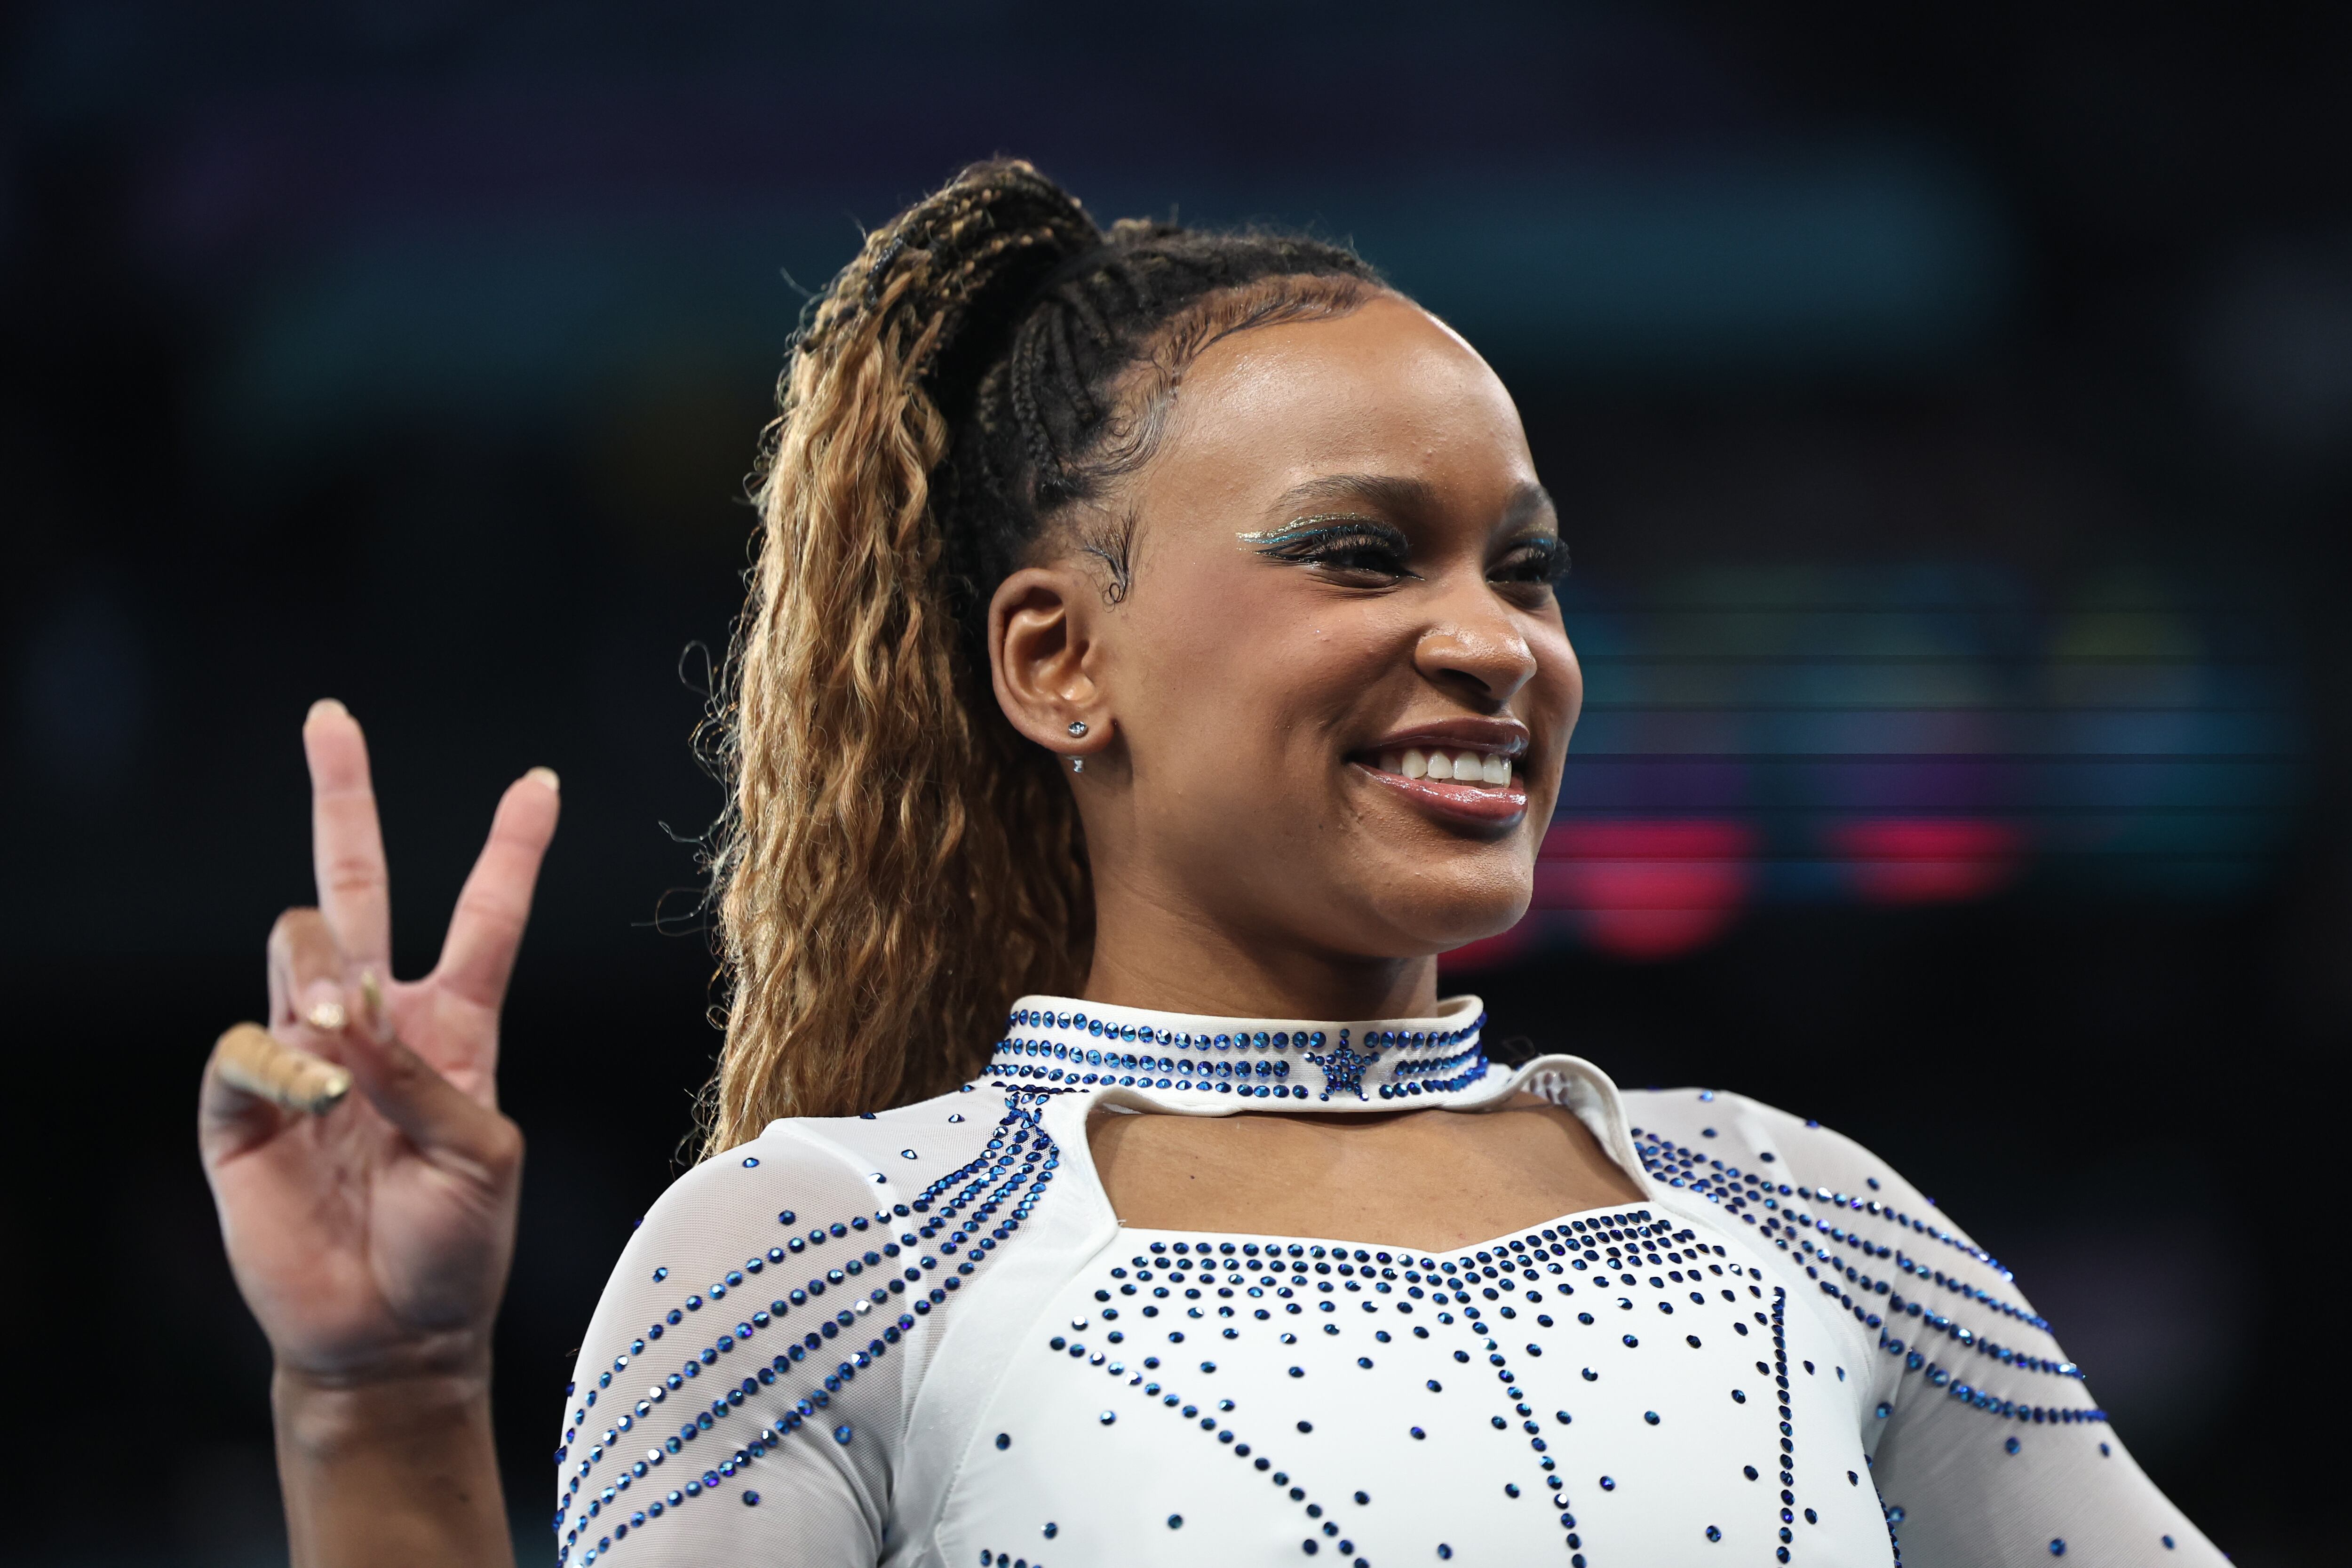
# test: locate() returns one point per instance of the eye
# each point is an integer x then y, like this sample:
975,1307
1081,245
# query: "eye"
1360,552
1356,549
1537,562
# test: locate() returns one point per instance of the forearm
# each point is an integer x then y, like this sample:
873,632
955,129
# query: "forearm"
389,1473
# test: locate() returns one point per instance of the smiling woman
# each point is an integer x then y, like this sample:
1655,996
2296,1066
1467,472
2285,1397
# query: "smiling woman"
1152,665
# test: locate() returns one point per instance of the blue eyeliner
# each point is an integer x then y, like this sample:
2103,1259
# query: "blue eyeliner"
1323,525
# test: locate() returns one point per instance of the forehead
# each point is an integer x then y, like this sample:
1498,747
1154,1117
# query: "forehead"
1385,389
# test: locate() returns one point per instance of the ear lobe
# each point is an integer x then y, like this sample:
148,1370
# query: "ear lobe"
1038,644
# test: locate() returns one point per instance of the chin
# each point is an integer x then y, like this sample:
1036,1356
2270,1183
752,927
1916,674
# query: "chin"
1435,914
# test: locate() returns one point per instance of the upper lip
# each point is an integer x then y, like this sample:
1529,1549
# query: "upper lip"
1499,737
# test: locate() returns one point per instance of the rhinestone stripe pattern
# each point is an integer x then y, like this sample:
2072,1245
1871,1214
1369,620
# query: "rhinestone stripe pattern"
1792,1230
1011,1173
1064,1053
1788,1424
1680,1166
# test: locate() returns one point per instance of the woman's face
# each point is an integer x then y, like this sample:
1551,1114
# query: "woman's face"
1341,590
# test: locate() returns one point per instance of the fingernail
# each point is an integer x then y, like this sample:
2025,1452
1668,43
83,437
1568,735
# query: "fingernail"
546,776
321,1007
371,1001
326,707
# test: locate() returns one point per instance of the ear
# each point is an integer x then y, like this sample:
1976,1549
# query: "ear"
1043,655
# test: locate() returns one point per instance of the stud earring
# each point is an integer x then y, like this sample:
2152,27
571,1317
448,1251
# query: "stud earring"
1078,728
1077,764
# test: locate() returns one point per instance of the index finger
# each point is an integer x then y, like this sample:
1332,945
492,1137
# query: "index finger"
346,841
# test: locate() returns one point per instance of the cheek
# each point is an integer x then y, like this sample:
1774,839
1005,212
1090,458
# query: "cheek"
1239,684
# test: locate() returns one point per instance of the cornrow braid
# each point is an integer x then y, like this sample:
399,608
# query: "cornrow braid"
895,863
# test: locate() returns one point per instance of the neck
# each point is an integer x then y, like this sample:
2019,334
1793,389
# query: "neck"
1159,953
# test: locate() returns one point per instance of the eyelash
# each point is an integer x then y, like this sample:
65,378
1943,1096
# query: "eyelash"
1345,547
1534,563
1542,561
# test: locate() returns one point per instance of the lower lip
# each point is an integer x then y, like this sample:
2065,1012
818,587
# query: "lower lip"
1462,802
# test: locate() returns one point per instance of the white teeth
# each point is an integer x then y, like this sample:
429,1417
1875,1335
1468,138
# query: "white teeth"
1456,767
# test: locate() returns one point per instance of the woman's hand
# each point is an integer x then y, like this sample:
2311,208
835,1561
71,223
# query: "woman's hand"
372,1240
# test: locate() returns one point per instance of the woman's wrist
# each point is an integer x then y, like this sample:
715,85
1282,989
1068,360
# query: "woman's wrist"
322,1416
391,1469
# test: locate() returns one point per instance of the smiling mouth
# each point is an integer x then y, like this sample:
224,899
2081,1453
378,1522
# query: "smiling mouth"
1447,765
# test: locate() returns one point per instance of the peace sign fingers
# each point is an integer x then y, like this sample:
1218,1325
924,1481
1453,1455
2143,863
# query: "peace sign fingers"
484,930
346,841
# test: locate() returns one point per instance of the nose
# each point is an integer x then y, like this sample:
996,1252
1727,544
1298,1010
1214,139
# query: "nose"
1478,649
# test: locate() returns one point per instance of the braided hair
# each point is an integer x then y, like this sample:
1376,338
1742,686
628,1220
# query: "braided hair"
895,863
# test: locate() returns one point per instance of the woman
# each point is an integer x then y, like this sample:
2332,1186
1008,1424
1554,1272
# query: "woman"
1152,665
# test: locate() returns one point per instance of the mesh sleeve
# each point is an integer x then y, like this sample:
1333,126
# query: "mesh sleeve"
1990,1447
739,1395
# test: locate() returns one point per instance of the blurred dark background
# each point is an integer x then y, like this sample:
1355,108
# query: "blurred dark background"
1951,407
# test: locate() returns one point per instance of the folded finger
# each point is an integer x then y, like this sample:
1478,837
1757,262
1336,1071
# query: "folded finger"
305,973
346,840
251,1059
236,1110
478,957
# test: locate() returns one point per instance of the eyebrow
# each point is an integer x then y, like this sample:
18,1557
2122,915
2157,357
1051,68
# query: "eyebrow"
1398,494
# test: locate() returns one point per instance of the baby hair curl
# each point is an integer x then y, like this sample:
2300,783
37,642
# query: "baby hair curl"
895,863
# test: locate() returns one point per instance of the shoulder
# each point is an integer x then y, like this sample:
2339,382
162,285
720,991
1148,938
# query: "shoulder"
805,1221
796,1259
1766,1165
817,1190
791,1264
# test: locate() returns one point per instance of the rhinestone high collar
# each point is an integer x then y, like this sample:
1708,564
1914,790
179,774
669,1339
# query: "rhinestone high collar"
1055,1045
